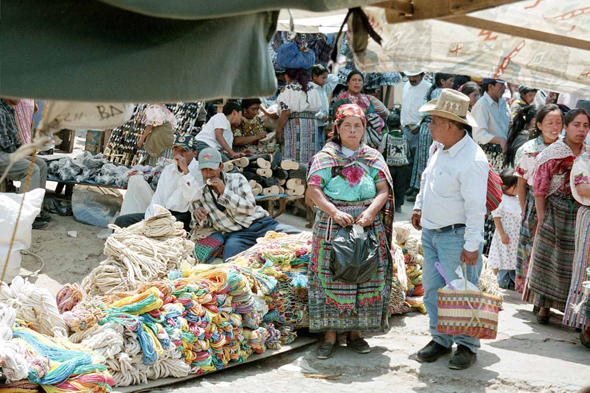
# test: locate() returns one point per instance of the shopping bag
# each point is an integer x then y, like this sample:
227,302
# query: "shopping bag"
464,309
355,255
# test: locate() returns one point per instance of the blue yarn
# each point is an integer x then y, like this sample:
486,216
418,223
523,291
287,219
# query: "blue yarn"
299,280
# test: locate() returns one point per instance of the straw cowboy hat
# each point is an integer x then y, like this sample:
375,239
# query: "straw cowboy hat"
451,105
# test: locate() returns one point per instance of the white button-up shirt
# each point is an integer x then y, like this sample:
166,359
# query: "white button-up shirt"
176,190
492,118
412,100
325,91
454,189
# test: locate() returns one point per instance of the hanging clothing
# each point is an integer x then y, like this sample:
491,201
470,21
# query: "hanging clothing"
24,119
300,134
550,270
334,305
580,174
158,143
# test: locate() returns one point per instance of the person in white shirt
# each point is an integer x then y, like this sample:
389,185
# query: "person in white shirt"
450,210
217,133
492,116
414,92
177,187
325,83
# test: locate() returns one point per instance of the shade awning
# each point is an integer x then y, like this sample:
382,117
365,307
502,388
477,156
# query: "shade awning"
452,45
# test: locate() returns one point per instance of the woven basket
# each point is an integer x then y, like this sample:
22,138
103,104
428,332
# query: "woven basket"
470,313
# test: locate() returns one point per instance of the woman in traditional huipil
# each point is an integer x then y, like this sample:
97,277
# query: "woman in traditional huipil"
350,184
575,315
550,270
549,121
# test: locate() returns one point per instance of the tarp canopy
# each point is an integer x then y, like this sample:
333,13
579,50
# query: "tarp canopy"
559,60
142,50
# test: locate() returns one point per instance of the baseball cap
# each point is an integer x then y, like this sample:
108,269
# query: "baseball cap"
485,81
524,89
185,141
209,158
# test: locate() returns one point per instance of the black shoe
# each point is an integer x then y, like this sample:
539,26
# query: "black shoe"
326,350
44,216
40,224
411,198
358,344
398,209
462,359
431,352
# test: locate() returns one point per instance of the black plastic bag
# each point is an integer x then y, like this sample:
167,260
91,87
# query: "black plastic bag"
355,255
58,206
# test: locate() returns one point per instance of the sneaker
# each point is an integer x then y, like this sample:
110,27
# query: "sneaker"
326,350
462,359
432,352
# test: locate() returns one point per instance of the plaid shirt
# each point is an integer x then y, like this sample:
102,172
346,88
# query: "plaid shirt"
8,129
235,209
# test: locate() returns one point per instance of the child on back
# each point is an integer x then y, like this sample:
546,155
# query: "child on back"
507,218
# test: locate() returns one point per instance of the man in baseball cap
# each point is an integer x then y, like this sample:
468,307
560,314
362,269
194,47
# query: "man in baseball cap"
227,205
179,182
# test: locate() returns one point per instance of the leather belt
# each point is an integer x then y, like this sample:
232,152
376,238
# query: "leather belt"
449,228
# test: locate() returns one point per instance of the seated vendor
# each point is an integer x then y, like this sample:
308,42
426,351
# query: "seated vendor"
178,184
228,206
217,133
248,135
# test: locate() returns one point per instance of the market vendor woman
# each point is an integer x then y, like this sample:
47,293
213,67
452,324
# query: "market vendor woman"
350,184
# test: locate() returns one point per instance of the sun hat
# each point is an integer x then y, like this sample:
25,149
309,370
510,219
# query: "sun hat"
293,55
451,105
209,158
408,73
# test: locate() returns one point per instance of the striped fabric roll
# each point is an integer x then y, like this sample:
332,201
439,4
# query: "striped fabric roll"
470,313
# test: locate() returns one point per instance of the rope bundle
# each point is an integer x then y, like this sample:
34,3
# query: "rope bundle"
145,251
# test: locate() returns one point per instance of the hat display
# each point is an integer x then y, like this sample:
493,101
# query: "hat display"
185,141
209,158
408,73
583,104
451,105
293,55
485,81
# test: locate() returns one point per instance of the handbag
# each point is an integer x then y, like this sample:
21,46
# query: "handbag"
467,312
355,255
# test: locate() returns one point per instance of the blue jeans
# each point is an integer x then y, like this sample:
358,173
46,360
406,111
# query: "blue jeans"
236,242
505,277
446,248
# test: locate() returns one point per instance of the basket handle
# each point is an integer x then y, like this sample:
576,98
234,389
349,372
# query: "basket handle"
475,314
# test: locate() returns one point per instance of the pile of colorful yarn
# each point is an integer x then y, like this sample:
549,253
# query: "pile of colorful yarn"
197,321
30,359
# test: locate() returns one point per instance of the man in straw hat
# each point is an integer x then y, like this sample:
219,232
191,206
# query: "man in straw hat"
450,210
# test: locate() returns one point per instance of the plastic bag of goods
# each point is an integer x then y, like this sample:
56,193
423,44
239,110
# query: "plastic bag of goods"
10,205
95,206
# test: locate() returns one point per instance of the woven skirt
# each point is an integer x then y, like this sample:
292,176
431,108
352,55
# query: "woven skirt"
495,156
421,159
580,271
334,305
300,137
526,239
550,270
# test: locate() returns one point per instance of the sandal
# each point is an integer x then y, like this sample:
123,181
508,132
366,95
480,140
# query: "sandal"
358,344
543,319
326,350
585,342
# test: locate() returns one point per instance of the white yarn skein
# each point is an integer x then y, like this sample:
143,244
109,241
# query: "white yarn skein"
12,352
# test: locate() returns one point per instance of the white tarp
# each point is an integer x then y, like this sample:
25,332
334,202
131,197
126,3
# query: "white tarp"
437,46
89,116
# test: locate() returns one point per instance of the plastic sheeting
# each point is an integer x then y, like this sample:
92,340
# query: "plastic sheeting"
438,46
